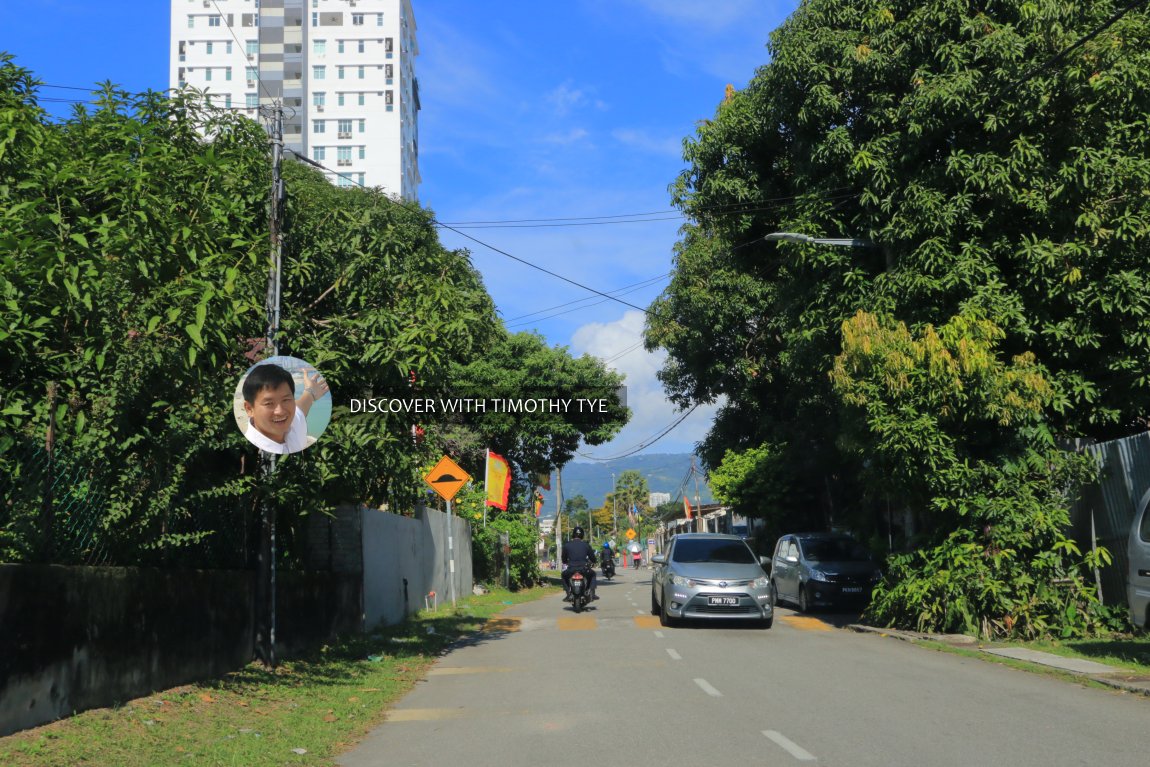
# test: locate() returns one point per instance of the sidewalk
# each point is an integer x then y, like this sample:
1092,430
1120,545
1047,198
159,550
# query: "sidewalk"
1112,676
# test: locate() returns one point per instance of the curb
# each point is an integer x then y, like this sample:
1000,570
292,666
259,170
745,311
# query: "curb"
1132,684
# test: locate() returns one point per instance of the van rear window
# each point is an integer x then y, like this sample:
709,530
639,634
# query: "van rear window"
1144,528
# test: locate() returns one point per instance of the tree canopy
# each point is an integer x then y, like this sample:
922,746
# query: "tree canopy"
996,157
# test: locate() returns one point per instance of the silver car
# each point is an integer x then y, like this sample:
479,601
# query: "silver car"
707,575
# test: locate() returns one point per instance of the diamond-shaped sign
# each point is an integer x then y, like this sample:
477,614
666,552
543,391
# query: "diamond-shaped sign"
631,534
447,478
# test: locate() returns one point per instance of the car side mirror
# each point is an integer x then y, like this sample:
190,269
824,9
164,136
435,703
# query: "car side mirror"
659,559
764,561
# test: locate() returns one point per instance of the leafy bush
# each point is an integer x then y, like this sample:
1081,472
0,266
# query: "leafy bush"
1008,570
488,559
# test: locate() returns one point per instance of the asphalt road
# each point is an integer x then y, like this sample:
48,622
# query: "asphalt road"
610,686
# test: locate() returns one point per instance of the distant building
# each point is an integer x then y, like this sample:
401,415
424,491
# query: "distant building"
343,70
658,499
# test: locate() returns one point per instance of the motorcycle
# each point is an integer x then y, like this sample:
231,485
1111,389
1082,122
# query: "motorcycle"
608,567
580,590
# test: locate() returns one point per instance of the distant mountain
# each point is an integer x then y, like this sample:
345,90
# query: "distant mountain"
665,473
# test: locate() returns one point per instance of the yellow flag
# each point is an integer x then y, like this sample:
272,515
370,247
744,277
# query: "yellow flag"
498,480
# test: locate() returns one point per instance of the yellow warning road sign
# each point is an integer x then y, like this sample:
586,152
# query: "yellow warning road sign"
631,534
447,478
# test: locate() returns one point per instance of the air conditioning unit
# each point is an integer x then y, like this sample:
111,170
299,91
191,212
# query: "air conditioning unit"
251,83
344,134
207,3
319,107
345,162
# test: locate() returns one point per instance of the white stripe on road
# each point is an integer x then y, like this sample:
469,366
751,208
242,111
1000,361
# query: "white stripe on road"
706,687
658,634
674,655
794,749
641,612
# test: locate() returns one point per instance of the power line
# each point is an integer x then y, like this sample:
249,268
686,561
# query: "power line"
650,441
635,285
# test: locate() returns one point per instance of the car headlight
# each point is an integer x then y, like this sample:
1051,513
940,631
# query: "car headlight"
760,583
678,580
819,575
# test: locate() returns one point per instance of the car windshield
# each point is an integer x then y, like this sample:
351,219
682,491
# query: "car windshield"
833,550
713,550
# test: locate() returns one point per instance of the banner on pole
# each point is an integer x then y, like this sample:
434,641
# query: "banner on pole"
498,480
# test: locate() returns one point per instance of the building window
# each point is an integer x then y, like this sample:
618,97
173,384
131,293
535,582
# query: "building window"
345,126
357,19
253,47
319,73
251,73
208,74
318,98
314,19
362,125
361,97
363,153
343,181
379,19
227,73
362,48
228,100
191,22
341,73
319,47
228,47
341,46
339,97
317,126
344,155
209,47
213,21
252,100
319,153
361,73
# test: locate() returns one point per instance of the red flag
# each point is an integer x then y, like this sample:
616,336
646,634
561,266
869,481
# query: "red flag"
687,506
498,480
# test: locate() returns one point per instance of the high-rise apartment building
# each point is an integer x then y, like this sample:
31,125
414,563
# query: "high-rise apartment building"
343,70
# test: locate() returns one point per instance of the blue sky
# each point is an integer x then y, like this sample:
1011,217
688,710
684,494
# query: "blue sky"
530,110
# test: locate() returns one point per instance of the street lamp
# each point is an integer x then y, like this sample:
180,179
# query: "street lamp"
846,242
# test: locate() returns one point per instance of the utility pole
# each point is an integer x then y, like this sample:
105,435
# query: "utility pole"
559,517
614,513
698,506
266,590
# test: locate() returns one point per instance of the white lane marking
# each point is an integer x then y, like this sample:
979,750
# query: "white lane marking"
706,687
674,655
794,749
641,612
659,634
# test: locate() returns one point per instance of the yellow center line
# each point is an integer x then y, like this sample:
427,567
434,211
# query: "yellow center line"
806,624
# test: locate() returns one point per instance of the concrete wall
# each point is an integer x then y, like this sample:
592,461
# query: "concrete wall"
75,638
404,559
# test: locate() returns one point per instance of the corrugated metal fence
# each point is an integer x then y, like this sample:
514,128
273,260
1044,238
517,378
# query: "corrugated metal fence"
1124,476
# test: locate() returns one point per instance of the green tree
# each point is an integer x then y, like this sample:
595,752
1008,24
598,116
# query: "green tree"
997,184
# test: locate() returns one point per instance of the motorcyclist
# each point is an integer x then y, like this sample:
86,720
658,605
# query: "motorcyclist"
578,555
607,556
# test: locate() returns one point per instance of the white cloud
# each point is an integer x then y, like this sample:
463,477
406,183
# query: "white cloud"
566,98
637,139
619,344
572,136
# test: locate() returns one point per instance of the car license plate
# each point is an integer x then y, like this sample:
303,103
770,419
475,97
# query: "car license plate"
852,590
725,601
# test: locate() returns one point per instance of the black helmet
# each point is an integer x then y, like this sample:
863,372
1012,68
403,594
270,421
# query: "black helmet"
577,532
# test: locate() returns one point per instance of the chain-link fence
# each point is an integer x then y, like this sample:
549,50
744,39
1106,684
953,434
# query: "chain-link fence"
59,510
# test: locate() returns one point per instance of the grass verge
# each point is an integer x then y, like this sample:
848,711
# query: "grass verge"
304,713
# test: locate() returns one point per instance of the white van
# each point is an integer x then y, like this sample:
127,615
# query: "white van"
1138,577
